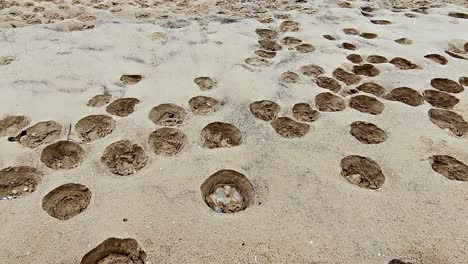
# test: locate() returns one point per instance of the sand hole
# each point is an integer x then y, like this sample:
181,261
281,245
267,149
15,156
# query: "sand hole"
62,155
362,171
116,251
368,133
446,119
312,70
368,9
95,127
463,81
368,35
458,15
122,107
174,24
397,261
355,58
405,95
366,14
66,201
346,77
167,115
368,70
258,62
350,31
371,88
437,58
202,105
403,64
305,48
446,85
380,22
465,47
288,128
38,134
328,102
265,110
205,83
291,41
376,59
455,55
348,46
167,141
265,33
366,104
303,112
269,45
282,16
18,181
124,157
328,83
130,79
228,191
449,167
220,135
99,100
404,41
265,54
330,37
289,26
440,99
289,77
11,125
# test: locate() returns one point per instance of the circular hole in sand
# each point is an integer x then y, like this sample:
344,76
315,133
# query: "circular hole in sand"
62,155
380,22
167,141
367,133
449,120
95,127
11,125
404,41
303,112
362,171
288,128
368,70
366,104
355,58
449,167
440,99
446,85
289,26
269,45
124,157
205,83
328,102
130,79
258,62
202,105
18,181
38,134
291,41
368,35
371,88
376,59
437,58
122,107
289,77
265,110
312,70
305,48
348,46
350,31
66,201
99,100
403,64
265,54
265,33
167,115
405,95
116,251
228,191
330,37
346,77
458,15
328,83
220,135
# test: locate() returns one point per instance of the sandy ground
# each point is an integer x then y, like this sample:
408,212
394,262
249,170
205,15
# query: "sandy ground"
304,211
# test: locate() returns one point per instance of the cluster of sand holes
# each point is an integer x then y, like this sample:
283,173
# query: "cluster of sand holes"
18,181
38,134
62,155
66,201
124,157
228,191
362,171
95,127
116,250
122,107
167,115
220,135
167,141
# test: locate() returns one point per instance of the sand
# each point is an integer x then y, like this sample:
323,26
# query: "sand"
56,55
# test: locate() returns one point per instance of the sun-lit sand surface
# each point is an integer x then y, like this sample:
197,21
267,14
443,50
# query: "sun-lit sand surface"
233,132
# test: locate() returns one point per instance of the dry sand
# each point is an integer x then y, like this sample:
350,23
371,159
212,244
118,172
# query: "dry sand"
56,55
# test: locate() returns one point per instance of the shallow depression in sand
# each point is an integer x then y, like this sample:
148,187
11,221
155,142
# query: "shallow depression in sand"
18,181
124,157
167,115
66,201
122,107
362,171
265,110
11,125
449,167
220,135
62,155
367,133
116,251
95,127
288,128
167,141
38,134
